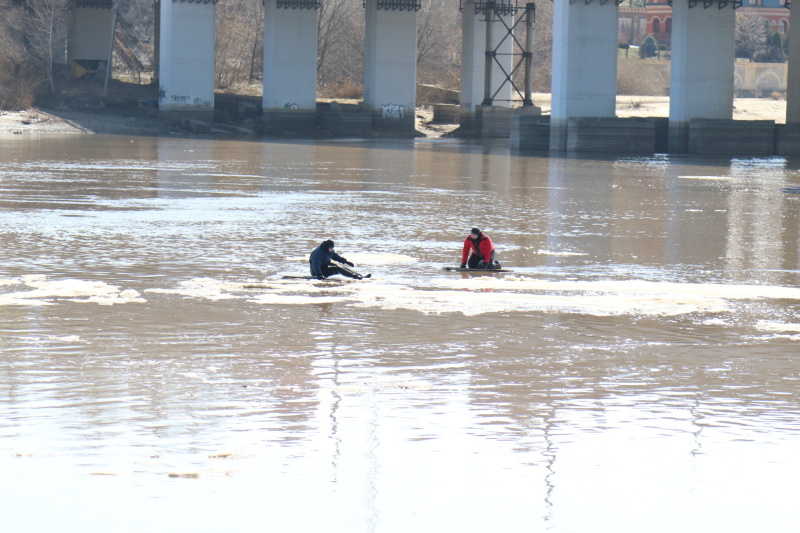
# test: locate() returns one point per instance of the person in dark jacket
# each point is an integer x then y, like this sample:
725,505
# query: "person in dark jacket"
478,251
321,266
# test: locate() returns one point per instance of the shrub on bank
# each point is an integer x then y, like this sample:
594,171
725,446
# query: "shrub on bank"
649,47
17,85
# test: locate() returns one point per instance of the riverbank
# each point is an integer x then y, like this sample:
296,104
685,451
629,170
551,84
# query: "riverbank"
147,122
99,122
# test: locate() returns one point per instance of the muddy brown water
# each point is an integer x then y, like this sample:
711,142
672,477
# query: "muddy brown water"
637,371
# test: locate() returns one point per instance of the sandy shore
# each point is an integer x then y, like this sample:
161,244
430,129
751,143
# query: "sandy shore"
57,121
111,122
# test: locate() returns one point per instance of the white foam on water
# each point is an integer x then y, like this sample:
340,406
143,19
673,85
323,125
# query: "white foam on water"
766,325
469,296
68,338
667,289
288,292
715,322
479,295
480,301
704,177
208,288
559,254
73,290
281,299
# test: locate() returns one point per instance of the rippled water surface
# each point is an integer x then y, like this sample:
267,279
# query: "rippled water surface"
637,371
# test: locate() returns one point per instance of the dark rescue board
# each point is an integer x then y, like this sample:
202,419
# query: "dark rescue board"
337,279
477,270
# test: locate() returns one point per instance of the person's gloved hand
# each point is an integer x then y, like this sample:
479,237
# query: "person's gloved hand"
463,265
348,263
482,265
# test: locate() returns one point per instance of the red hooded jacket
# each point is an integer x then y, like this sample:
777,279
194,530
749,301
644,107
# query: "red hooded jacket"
482,246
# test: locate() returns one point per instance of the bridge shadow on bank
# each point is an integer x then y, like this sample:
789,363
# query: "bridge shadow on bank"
529,130
526,128
649,135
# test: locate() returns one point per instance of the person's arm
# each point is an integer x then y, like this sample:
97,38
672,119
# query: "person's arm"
465,253
339,258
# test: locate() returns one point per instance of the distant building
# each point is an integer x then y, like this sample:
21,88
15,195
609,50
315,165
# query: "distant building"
640,18
774,11
659,21
633,22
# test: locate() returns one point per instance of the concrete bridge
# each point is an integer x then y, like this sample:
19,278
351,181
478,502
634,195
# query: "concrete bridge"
584,67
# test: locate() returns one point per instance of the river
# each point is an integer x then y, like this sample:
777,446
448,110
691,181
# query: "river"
637,371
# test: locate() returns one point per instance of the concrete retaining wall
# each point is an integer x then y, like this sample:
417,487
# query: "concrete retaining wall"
530,132
611,134
787,140
393,126
722,136
350,121
495,122
650,135
289,121
446,113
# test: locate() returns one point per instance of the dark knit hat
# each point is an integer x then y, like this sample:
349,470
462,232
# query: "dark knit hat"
327,244
475,231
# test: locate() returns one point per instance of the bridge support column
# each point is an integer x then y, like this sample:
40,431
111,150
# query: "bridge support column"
787,137
584,64
90,32
793,75
390,65
290,64
473,59
702,70
186,59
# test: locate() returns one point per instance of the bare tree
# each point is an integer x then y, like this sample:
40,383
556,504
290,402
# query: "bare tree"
135,40
439,42
751,33
239,41
340,47
18,78
543,47
46,27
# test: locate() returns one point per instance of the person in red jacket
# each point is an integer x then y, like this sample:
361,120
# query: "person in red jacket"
478,251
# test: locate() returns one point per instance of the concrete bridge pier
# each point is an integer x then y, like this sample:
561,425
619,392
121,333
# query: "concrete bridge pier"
390,65
793,74
186,59
702,71
584,64
290,64
90,33
474,45
787,140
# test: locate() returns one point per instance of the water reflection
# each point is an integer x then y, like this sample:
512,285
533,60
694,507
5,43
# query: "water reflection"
637,363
